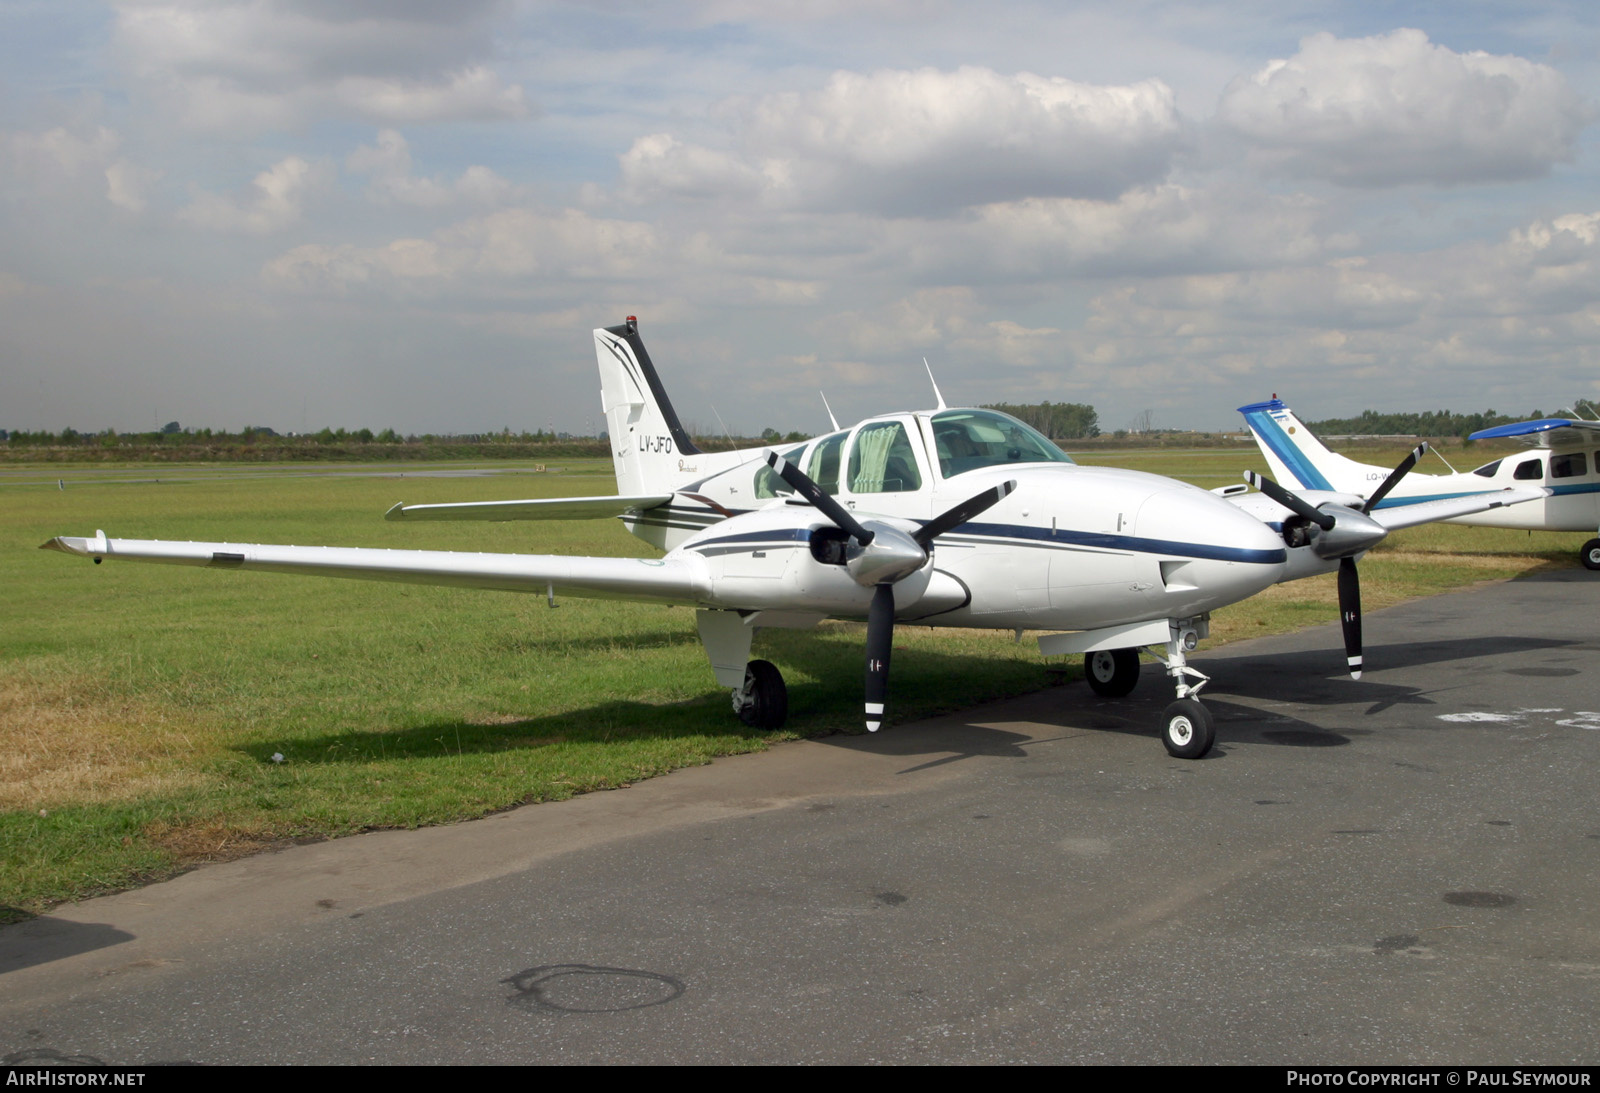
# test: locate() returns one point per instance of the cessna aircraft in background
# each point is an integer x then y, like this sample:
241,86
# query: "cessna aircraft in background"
947,517
1567,460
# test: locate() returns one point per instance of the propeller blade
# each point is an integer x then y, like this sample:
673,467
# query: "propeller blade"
967,510
880,643
1350,614
1294,503
1395,476
820,500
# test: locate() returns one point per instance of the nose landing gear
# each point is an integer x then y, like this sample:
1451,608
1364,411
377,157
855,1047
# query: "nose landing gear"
1187,730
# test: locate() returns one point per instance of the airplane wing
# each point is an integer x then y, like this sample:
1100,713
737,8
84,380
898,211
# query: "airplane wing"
554,508
1446,508
1532,428
674,580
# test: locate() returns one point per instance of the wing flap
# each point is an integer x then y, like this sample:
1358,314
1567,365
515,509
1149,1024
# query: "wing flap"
672,580
551,508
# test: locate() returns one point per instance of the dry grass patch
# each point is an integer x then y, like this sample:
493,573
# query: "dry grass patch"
210,839
65,739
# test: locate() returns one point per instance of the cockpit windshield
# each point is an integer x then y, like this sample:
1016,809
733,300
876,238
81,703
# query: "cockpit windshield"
968,440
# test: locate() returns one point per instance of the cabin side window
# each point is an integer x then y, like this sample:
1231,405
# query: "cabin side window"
882,460
1572,465
767,484
823,467
1529,470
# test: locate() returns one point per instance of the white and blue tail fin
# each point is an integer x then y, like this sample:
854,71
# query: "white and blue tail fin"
650,449
1298,459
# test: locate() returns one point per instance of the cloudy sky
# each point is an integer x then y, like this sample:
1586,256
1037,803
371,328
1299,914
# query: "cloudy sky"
405,213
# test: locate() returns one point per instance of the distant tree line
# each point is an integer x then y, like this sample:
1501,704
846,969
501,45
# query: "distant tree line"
259,443
1427,423
1056,420
170,435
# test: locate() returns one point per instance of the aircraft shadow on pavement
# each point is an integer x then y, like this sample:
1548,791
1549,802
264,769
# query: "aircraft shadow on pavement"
1317,676
44,939
1081,714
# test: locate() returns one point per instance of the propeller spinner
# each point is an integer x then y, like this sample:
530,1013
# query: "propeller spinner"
884,555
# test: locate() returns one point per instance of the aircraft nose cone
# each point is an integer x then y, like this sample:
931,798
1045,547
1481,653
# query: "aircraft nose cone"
1218,551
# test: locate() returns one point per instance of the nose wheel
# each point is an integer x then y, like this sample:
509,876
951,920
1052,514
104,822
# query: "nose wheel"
1187,730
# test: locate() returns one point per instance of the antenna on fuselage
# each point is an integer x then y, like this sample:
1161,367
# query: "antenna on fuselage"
724,426
937,396
831,418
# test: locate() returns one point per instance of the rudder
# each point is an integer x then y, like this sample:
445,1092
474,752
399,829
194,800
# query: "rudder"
648,443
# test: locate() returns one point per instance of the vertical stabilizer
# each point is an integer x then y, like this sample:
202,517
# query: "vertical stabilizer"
648,444
1299,459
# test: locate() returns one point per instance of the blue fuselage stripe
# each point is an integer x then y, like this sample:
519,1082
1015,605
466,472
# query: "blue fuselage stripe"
1129,543
1045,536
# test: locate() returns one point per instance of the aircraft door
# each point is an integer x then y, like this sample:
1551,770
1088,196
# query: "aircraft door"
883,460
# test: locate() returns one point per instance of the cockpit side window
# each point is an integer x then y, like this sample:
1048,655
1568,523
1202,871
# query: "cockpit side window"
823,467
1488,469
1530,470
1572,465
767,484
967,440
881,461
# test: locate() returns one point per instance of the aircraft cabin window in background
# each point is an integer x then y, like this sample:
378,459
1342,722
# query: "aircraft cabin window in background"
768,485
882,460
968,440
1488,469
1569,466
824,466
1530,471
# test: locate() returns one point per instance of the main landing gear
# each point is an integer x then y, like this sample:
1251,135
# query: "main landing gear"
1590,554
1187,730
1111,672
763,701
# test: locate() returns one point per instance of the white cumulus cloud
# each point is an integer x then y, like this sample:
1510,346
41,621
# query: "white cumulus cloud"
387,164
922,142
275,200
231,64
1397,108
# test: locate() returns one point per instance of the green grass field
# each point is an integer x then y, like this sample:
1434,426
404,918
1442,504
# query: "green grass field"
141,707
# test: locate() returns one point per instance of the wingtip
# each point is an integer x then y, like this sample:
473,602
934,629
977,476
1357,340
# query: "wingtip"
396,512
67,544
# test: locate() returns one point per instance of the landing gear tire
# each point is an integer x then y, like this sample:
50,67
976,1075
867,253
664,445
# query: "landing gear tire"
763,701
1590,554
1187,731
1111,672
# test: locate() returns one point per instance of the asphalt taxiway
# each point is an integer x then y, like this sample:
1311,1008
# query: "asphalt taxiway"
1401,869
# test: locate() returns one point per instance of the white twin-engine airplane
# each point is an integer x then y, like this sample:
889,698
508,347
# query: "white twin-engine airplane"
948,517
1567,463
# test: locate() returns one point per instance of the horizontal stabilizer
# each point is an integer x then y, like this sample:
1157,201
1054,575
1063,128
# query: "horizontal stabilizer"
681,581
553,508
1402,515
